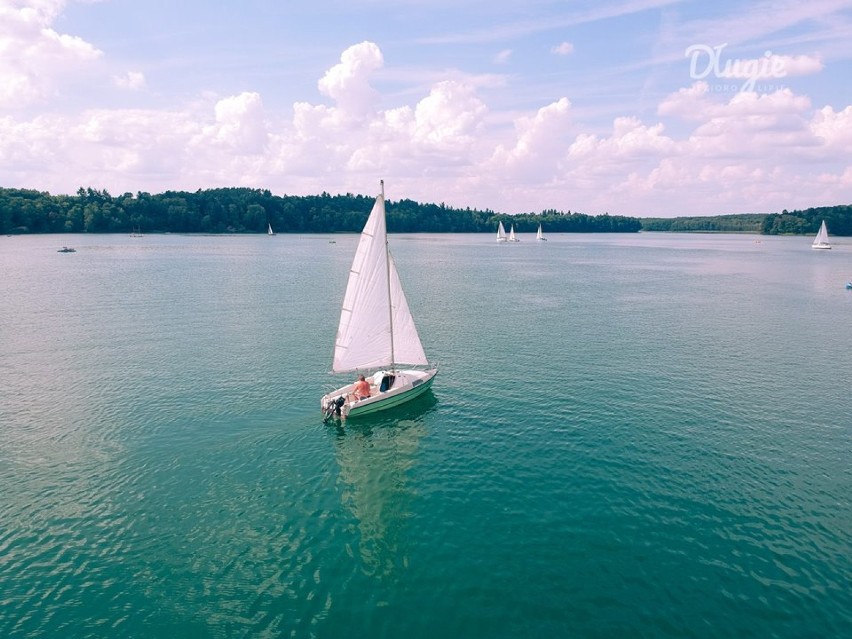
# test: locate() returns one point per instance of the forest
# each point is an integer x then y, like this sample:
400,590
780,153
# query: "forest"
838,219
747,223
243,210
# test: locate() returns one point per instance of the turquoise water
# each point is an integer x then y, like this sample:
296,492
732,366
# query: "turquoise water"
630,435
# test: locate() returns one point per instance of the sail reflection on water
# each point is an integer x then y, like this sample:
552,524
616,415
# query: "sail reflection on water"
375,460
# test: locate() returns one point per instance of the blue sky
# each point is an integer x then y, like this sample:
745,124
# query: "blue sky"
635,107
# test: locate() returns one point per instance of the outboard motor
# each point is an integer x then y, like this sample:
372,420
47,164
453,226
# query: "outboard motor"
332,408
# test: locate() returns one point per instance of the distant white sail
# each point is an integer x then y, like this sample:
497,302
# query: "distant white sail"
821,239
539,235
501,233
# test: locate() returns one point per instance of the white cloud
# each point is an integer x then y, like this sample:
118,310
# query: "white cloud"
698,103
347,83
631,140
240,125
503,56
447,116
34,58
563,48
833,128
132,80
799,64
541,140
704,152
771,66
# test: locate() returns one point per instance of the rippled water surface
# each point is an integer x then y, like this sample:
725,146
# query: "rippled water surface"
630,435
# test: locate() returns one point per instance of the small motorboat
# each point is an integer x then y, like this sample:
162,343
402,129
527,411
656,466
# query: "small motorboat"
67,249
849,285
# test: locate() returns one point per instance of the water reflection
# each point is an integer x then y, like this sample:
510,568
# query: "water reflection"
376,455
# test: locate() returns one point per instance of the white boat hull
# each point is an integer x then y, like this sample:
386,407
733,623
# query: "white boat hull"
407,385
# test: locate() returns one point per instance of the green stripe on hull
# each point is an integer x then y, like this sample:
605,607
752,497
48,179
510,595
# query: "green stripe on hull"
390,402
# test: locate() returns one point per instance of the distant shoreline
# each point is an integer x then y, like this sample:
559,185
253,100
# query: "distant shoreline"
237,211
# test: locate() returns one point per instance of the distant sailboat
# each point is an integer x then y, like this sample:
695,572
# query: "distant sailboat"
539,235
376,330
501,233
512,237
269,229
821,239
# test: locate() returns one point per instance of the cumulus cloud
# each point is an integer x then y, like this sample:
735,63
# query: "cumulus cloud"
698,103
240,124
541,140
800,64
772,66
630,140
446,117
833,128
33,56
132,80
347,83
563,48
439,141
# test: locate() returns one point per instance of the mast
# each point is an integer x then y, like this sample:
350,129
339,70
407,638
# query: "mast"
387,273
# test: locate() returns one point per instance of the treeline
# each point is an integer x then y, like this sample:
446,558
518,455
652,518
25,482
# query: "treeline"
242,210
838,220
744,223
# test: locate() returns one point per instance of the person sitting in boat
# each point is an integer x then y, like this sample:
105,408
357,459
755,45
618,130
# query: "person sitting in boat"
362,389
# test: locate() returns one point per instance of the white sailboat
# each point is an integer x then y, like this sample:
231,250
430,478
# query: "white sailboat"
376,330
269,229
512,237
501,233
821,239
539,235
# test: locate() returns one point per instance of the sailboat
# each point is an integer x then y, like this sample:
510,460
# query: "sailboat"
269,229
376,330
501,233
821,239
512,237
539,235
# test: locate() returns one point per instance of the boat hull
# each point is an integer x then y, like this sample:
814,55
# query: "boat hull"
414,383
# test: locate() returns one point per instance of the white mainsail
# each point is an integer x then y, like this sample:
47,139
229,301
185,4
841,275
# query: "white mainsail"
512,237
501,233
821,239
376,327
269,229
539,235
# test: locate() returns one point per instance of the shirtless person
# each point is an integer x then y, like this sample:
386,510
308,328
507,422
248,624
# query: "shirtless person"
362,389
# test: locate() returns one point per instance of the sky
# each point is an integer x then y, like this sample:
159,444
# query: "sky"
646,108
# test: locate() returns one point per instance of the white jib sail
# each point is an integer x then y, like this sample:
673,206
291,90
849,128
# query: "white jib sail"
364,339
822,236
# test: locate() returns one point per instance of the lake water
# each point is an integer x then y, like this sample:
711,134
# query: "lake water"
629,435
